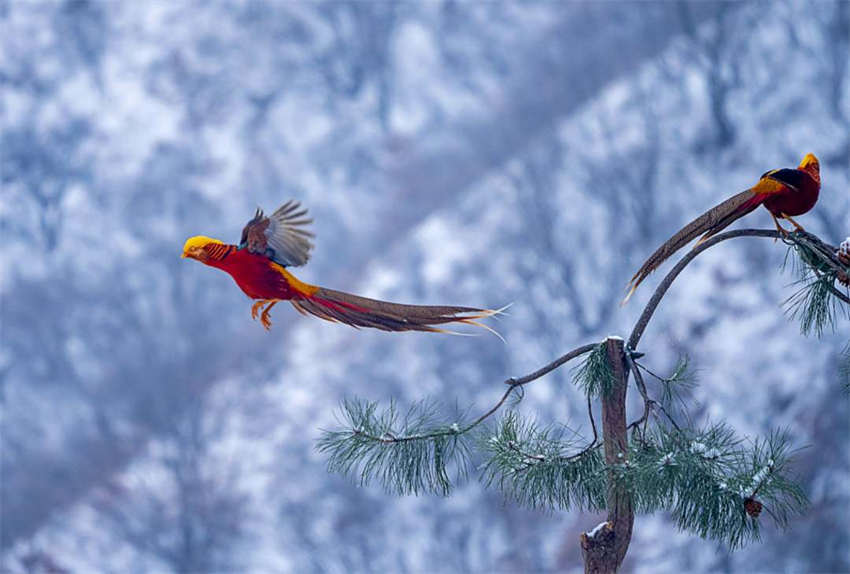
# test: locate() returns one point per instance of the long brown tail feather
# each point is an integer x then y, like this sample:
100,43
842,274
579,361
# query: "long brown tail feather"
708,224
360,312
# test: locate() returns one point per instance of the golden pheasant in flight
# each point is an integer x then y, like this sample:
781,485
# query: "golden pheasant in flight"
786,193
272,243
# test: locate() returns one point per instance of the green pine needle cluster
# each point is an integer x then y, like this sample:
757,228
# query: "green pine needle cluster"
704,476
409,454
547,467
815,303
701,476
677,386
844,369
594,375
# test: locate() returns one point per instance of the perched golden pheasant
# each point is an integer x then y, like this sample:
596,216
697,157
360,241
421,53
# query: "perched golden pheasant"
785,193
270,244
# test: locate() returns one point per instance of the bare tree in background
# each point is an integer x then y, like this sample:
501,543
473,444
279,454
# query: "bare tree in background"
183,507
716,50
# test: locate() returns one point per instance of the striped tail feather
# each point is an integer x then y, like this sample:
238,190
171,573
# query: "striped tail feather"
360,312
708,224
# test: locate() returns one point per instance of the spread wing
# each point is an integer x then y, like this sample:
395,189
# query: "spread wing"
779,180
282,236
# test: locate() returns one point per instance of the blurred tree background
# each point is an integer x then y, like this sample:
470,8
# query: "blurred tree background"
457,152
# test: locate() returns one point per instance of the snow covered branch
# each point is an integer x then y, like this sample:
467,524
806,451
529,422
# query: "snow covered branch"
411,455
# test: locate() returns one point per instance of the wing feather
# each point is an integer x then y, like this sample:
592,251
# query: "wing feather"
779,180
282,236
287,235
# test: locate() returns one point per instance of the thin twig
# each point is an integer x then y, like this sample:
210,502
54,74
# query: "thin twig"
592,422
513,381
496,407
388,438
557,459
540,458
579,454
832,289
649,402
763,481
515,384
659,377
592,444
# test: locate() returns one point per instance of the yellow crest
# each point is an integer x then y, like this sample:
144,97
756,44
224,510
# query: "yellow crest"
808,160
198,242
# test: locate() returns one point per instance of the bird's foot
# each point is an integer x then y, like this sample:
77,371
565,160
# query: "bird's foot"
255,308
797,226
264,317
782,231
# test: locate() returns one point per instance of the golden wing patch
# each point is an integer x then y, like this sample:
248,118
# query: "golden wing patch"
768,185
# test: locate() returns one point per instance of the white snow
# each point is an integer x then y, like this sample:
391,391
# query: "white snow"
711,454
597,529
760,476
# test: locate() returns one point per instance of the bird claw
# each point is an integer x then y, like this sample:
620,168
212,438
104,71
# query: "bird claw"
264,316
797,226
255,308
782,231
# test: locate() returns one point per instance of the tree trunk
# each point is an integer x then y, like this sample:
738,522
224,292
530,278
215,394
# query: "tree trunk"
604,549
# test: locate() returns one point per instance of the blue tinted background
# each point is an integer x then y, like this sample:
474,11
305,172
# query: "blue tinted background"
473,153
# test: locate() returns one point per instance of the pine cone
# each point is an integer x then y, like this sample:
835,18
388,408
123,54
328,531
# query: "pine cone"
753,507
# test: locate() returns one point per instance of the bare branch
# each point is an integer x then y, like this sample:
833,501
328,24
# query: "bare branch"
514,381
810,240
389,438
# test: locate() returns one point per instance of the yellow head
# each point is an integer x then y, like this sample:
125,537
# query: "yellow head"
196,247
810,162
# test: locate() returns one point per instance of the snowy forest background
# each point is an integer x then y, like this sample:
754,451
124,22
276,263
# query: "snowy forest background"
473,153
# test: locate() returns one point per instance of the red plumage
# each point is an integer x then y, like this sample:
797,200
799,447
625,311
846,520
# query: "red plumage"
270,244
254,274
785,193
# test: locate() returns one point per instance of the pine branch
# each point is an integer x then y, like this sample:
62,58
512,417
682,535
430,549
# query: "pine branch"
819,256
773,481
818,301
676,385
543,467
712,484
705,476
407,455
412,455
594,375
577,352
